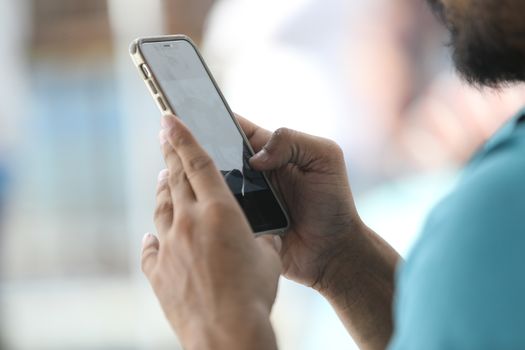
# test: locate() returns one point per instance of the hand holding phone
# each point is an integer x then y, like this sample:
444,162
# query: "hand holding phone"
308,171
215,280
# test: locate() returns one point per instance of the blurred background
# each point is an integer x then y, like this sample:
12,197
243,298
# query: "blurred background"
79,153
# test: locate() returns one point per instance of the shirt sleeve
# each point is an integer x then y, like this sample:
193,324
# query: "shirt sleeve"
463,286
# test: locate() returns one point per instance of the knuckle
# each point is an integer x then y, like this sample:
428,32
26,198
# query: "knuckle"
217,209
163,208
179,138
176,176
280,137
214,209
184,223
199,163
283,133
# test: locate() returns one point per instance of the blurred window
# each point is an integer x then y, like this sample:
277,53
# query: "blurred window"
70,184
70,24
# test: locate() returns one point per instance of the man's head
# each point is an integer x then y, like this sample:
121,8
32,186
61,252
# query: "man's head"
487,38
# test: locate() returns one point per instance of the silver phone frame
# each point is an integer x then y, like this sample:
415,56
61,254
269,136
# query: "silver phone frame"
139,60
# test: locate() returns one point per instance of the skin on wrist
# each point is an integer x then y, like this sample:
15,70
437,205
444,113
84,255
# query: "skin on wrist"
358,281
341,261
245,327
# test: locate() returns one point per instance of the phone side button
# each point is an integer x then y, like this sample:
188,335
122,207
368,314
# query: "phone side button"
145,71
152,87
162,104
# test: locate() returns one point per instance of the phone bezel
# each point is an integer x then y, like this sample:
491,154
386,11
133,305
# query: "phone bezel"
138,59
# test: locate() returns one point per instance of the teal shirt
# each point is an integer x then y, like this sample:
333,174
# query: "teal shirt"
463,285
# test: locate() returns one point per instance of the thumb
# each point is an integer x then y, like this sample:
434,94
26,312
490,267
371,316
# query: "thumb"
287,146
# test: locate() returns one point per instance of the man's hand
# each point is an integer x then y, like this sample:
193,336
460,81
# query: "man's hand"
310,174
215,282
328,247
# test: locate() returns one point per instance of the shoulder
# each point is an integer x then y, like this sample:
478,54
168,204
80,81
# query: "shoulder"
463,285
491,193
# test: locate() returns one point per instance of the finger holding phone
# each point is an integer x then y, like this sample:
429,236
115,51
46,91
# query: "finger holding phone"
215,281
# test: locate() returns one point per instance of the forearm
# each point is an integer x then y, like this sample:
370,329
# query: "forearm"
250,330
360,287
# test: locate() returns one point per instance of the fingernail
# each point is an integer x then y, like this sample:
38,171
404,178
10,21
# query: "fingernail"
261,156
278,243
163,175
163,136
147,237
167,121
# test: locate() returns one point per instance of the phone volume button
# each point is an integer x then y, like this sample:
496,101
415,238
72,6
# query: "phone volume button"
153,87
145,71
162,104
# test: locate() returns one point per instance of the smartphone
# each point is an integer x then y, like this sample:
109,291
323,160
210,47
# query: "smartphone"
181,84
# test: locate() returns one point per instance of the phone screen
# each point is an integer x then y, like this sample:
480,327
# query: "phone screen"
192,94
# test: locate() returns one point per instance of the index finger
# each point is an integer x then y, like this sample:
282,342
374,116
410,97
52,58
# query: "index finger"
257,136
202,174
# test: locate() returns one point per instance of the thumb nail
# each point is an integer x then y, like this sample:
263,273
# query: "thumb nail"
277,243
261,156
